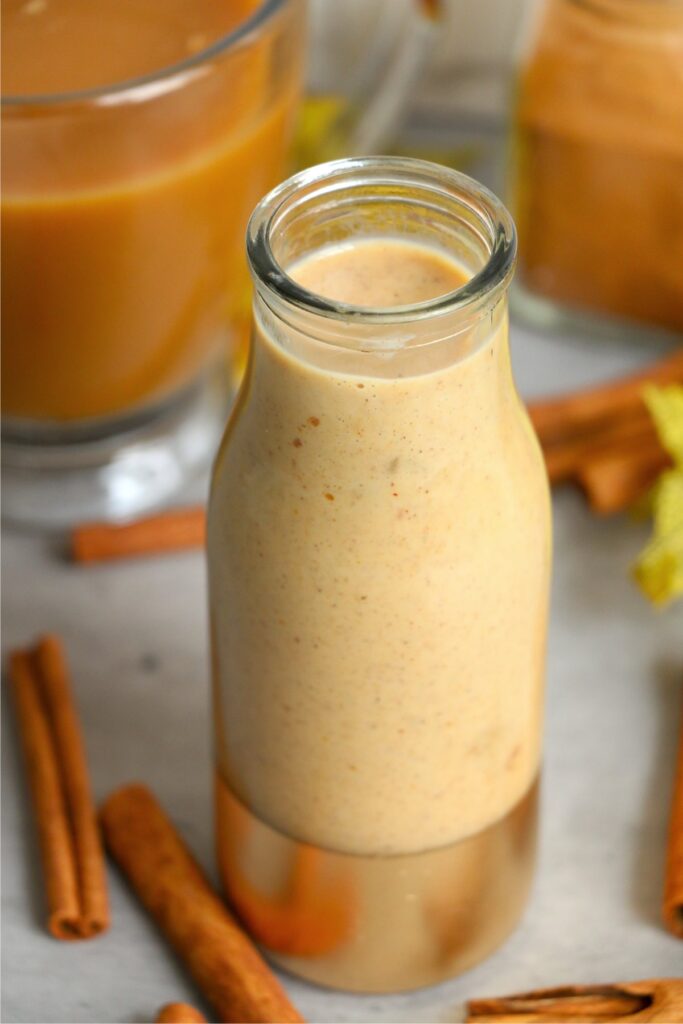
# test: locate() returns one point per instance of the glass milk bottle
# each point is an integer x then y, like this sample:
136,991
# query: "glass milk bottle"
379,552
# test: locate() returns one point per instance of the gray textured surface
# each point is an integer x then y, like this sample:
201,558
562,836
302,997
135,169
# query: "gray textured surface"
136,637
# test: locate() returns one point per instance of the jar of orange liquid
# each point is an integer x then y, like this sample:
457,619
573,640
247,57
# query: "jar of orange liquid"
598,182
138,134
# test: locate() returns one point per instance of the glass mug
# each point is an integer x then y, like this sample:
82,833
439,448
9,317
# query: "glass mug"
598,182
378,556
363,64
125,291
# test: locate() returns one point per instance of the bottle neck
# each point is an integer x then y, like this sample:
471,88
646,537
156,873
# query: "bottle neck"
296,381
409,349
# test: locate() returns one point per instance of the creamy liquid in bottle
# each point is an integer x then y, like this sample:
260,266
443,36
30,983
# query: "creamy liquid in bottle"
379,560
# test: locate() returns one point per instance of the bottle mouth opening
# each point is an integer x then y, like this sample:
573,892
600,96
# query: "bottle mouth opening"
382,197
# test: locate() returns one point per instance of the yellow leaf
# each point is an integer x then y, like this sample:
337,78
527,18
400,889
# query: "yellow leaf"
659,569
666,408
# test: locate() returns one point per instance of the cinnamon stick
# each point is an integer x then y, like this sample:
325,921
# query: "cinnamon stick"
176,530
565,458
659,999
171,885
179,1013
556,418
614,481
673,886
604,438
71,852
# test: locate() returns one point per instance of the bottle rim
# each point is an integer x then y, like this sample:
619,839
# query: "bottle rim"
431,182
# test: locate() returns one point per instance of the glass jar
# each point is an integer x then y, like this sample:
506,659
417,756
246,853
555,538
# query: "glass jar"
125,291
599,164
378,551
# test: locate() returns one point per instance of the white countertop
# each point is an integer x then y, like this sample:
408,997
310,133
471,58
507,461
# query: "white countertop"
136,639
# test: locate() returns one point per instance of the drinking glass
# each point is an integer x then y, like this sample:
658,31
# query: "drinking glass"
125,290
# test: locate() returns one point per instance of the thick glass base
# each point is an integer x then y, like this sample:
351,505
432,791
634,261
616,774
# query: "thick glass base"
533,310
376,924
54,476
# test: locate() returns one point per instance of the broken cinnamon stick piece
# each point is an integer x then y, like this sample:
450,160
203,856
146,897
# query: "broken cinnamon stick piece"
659,999
223,961
179,1013
559,417
71,852
176,530
673,886
614,481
